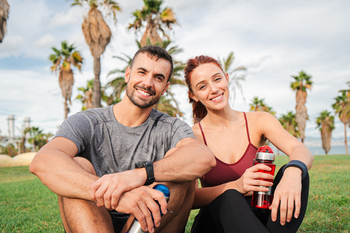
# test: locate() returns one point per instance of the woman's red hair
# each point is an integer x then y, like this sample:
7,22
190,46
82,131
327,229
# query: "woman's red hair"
199,111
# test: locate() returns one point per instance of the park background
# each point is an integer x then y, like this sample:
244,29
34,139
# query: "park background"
274,40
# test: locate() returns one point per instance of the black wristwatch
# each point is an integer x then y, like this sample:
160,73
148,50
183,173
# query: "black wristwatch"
149,169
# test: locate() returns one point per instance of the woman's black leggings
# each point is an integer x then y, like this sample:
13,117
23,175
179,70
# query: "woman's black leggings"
231,212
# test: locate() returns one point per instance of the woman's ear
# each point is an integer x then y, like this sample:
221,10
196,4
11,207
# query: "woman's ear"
227,77
191,95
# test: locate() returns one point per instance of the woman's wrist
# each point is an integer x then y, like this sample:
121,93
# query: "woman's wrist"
297,164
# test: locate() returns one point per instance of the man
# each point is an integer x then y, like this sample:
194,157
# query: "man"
90,164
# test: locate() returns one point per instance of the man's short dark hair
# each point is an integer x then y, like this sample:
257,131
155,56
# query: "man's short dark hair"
158,52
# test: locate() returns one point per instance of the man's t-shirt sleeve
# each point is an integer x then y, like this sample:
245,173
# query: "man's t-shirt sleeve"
181,130
76,128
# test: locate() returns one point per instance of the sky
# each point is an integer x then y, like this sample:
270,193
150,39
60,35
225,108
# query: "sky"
272,39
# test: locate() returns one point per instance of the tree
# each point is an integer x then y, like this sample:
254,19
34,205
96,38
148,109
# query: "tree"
24,130
325,122
235,79
38,138
342,109
157,19
97,36
4,15
35,135
118,83
258,105
289,123
86,96
62,61
300,84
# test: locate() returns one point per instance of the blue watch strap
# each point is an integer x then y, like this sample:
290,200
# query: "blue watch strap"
298,164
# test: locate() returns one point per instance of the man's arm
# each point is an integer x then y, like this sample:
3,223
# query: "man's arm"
55,167
189,160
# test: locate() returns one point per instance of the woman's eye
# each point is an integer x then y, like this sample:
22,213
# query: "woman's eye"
217,79
202,87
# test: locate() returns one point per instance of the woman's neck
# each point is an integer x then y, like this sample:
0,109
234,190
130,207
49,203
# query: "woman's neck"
222,118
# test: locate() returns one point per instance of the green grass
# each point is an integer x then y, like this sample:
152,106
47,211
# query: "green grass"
26,205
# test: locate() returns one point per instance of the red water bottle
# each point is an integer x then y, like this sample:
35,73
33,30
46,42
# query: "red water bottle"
265,156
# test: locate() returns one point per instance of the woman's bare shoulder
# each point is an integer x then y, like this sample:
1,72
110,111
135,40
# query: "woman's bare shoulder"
197,132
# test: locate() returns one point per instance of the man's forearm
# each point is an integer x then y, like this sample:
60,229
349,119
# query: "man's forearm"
62,175
185,163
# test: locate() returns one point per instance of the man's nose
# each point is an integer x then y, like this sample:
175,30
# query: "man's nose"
147,80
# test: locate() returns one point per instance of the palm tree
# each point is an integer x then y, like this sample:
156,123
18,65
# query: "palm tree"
24,131
97,36
300,84
86,96
35,136
4,15
258,105
118,84
325,122
62,61
157,20
342,108
289,123
234,78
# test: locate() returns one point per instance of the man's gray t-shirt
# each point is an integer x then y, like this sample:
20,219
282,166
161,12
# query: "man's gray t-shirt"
112,147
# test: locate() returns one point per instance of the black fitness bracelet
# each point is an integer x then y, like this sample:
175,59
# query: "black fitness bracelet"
148,165
298,164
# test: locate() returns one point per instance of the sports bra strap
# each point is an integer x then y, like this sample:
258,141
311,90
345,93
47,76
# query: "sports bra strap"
246,126
200,127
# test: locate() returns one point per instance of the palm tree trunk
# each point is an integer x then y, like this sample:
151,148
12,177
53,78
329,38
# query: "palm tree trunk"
346,139
96,97
66,109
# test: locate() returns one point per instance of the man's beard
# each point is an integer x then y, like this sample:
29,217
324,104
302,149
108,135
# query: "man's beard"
140,103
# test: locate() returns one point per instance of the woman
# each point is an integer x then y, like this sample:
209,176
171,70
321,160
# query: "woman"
234,137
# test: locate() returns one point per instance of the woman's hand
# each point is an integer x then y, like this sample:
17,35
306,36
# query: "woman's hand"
251,180
288,196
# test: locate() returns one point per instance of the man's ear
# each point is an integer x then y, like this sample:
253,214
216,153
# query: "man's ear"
127,74
165,88
191,95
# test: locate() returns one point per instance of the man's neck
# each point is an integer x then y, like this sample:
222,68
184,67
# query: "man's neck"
129,114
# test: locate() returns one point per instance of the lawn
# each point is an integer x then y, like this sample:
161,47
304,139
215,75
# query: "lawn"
26,205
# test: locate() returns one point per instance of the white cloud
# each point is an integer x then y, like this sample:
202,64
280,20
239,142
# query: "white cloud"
11,46
67,18
45,41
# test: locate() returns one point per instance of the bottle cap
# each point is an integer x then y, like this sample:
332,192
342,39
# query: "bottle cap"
265,153
164,189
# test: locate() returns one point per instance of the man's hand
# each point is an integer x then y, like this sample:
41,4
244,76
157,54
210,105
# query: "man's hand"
288,196
140,202
107,190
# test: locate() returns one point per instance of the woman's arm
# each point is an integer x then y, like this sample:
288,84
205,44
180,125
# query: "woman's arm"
268,125
250,181
288,192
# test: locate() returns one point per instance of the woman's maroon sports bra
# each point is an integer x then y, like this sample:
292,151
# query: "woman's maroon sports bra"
223,172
